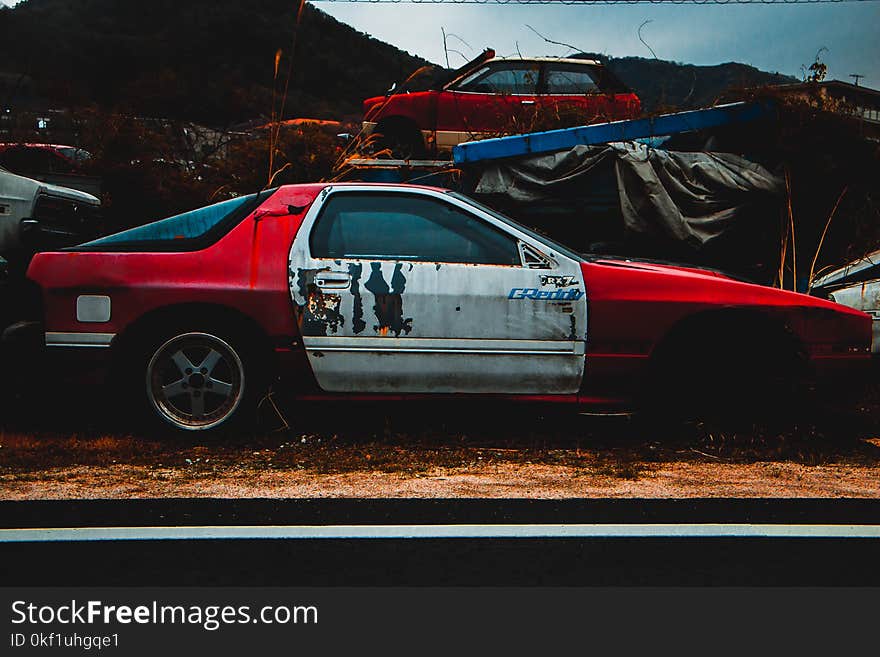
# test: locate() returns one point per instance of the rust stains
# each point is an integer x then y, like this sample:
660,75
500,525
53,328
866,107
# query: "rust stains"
389,301
320,312
323,309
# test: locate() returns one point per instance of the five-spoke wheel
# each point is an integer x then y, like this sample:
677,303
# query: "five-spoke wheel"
195,381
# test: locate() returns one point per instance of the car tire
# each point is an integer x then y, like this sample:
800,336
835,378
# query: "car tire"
399,143
709,375
198,381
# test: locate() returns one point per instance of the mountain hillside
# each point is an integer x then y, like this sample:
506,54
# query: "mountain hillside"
212,61
205,60
662,84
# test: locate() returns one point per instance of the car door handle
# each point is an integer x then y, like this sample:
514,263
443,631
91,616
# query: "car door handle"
332,280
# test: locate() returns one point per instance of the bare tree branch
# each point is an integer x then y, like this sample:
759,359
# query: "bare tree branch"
455,36
645,42
555,43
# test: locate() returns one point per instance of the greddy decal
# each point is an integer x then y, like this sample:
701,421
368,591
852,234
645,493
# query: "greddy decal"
535,293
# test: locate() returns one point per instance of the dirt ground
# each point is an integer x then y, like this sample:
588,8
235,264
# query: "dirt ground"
673,480
72,448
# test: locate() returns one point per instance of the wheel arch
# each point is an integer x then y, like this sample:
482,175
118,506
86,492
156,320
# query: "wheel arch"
399,124
399,121
727,323
238,322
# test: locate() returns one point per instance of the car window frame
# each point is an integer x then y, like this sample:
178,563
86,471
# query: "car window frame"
454,85
590,70
557,257
545,240
465,208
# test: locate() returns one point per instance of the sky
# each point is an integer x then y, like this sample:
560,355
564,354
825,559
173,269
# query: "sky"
780,37
774,38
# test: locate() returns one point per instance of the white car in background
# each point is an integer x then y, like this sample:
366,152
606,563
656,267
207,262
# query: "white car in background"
856,285
34,216
54,215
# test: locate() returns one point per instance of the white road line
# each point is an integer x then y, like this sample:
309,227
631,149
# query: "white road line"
708,530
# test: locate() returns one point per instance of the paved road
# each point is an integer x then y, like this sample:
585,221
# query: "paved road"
820,558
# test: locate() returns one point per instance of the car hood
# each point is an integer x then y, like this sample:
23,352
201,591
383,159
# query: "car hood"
647,264
686,281
21,188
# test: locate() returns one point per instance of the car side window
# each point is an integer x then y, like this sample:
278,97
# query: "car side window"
407,227
513,78
571,80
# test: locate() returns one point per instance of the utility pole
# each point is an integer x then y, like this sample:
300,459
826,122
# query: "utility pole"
856,77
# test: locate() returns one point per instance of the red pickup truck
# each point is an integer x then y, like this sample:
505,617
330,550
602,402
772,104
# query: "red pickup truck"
492,96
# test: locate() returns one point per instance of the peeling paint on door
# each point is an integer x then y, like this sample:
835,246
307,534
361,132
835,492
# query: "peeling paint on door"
389,301
357,318
319,312
323,310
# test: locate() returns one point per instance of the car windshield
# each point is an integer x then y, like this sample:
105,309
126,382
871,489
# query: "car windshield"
473,76
189,225
564,250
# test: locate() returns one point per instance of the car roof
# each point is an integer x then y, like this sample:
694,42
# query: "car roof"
33,145
843,274
559,60
316,188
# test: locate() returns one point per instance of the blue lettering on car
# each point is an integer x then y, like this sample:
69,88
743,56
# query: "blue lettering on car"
535,293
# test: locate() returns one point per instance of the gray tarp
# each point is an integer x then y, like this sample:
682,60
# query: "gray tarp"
689,197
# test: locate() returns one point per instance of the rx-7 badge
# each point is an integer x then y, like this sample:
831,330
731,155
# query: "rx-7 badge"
557,281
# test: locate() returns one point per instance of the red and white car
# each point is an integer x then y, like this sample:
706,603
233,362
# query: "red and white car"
27,158
375,292
492,96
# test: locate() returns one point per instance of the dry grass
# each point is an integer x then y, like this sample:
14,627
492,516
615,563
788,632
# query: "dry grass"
79,437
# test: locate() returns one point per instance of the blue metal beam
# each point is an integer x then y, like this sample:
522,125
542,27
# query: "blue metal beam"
603,133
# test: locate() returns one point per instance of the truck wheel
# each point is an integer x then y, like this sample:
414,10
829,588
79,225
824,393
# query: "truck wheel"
196,380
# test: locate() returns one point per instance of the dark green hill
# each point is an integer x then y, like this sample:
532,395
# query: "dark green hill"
212,61
205,60
662,84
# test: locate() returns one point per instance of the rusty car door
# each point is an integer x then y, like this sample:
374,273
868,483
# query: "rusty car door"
413,290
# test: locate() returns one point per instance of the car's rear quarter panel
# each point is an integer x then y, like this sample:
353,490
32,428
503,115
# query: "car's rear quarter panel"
419,107
245,271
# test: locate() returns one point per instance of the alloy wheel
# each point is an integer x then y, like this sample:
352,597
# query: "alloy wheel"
195,381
